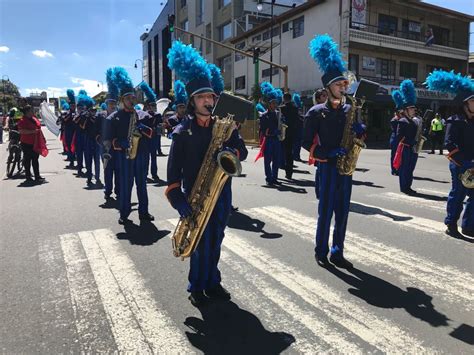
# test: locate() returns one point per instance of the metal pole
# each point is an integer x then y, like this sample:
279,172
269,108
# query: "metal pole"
271,44
255,112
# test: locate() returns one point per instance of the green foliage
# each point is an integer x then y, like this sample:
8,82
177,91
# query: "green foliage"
9,95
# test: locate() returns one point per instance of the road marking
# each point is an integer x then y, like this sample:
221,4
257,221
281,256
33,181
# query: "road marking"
439,206
381,333
433,192
455,285
136,322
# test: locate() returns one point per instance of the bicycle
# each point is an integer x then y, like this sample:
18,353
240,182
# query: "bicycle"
15,159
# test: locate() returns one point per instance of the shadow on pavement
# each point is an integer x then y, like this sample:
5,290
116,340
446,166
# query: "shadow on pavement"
464,333
430,179
383,294
366,210
242,221
366,183
144,234
227,329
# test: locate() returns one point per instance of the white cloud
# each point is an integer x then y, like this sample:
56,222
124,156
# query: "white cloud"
77,55
51,91
4,49
42,53
78,84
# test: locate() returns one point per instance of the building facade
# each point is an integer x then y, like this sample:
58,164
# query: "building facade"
384,41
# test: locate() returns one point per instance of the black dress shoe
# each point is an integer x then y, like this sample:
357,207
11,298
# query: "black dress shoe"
89,182
322,261
155,178
123,221
218,292
146,217
341,262
409,192
276,182
40,179
468,232
197,298
29,179
452,231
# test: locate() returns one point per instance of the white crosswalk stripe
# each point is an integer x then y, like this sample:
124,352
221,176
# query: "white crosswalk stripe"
101,273
439,206
453,284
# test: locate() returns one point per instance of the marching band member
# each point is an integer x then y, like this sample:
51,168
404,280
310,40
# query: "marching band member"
289,110
323,131
459,141
406,156
80,135
180,101
124,124
299,128
398,100
156,120
70,128
270,124
320,96
190,141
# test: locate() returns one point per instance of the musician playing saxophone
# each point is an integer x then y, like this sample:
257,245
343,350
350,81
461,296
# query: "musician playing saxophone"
324,128
125,123
190,141
459,141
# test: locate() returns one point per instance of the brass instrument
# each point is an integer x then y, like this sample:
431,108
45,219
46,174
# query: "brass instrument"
281,127
346,164
420,138
133,137
207,188
467,178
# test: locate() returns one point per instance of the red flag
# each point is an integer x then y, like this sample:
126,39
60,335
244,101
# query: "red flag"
397,160
40,144
262,149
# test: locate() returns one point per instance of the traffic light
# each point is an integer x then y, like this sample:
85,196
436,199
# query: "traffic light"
171,23
256,54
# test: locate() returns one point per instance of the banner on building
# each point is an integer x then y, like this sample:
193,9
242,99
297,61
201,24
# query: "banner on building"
368,63
359,13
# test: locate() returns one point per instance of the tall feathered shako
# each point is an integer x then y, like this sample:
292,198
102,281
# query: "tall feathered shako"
260,107
270,94
397,99
113,91
190,67
123,82
64,105
84,100
180,94
103,106
408,91
323,50
461,86
148,91
71,96
217,81
297,100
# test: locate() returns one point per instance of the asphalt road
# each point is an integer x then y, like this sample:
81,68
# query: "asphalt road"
72,279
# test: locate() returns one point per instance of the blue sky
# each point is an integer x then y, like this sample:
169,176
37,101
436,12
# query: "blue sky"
54,45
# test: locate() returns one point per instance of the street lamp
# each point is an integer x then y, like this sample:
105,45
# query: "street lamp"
136,66
5,108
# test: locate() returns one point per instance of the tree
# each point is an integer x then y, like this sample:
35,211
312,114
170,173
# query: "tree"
9,95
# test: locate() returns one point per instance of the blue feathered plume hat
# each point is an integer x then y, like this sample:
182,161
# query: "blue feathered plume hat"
297,100
103,106
180,94
323,50
113,91
461,86
84,100
191,68
408,91
123,82
148,91
64,105
397,99
71,96
270,94
260,107
217,81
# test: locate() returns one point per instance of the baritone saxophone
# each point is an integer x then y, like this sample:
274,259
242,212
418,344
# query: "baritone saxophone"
133,137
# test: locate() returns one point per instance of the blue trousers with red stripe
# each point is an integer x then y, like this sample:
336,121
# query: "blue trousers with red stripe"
80,147
271,158
92,155
393,150
69,130
204,272
154,147
405,173
111,175
132,170
334,199
456,198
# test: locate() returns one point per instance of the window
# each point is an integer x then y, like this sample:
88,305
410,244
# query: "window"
385,68
276,32
430,68
239,56
354,63
298,27
286,27
225,31
409,70
199,11
411,30
257,38
208,35
223,3
441,35
240,83
266,72
182,3
185,25
387,24
225,64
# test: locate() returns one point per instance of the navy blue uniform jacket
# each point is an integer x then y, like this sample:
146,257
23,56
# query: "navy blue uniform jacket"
459,138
